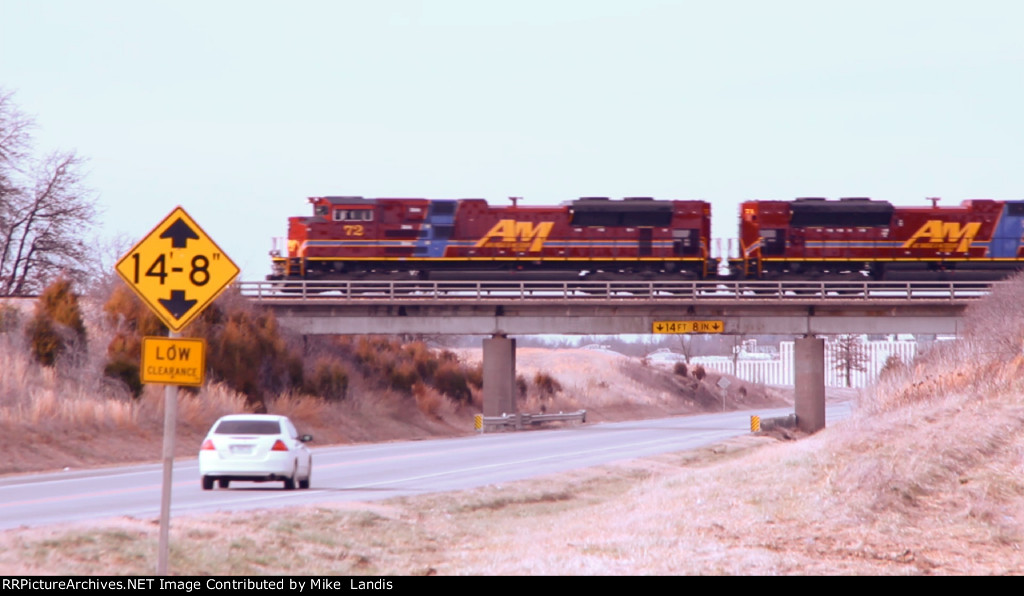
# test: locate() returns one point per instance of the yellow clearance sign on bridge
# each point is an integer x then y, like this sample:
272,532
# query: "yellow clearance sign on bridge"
177,361
177,269
688,327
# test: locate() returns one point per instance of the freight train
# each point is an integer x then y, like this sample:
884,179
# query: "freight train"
641,238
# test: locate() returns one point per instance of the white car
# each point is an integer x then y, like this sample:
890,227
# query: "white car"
255,447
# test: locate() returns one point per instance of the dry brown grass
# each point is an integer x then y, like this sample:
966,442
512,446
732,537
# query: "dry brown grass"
70,416
926,478
856,499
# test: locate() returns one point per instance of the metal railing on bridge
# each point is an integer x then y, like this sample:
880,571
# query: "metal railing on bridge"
521,420
672,291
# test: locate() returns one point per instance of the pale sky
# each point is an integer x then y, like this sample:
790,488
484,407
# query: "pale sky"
238,111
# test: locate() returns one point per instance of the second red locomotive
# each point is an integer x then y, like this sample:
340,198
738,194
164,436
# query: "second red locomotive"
858,238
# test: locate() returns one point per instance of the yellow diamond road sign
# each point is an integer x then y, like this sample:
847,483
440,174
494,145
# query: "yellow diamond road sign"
177,269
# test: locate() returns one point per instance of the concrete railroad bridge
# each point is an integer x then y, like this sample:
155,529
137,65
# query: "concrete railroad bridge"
502,309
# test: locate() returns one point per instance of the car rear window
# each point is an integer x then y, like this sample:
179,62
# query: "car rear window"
248,427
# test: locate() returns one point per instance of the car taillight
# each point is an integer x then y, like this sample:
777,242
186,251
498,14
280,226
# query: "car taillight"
279,446
207,446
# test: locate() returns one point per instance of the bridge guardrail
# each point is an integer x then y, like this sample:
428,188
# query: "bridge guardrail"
696,291
521,420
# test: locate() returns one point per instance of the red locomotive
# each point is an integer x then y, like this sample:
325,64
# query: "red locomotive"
858,238
596,238
589,238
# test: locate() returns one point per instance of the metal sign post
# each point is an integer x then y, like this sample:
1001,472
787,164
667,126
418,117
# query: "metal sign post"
170,423
177,270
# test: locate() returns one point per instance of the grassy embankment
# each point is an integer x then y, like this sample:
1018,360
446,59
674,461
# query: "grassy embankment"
927,477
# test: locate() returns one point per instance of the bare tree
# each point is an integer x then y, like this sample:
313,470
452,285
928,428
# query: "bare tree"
686,346
849,355
45,209
15,129
15,140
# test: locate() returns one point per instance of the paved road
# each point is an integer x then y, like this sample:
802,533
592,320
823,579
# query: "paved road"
367,472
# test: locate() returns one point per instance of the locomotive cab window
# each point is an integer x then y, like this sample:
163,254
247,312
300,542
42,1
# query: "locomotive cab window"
353,215
684,242
774,242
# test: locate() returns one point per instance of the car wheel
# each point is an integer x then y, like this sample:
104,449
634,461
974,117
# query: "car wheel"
207,483
223,482
304,483
289,483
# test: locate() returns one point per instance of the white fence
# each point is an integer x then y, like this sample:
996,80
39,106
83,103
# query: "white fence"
779,370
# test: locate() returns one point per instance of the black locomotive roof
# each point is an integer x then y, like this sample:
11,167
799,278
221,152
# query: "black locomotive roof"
629,204
348,200
848,212
631,211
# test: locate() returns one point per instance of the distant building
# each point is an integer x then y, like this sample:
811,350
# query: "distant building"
757,366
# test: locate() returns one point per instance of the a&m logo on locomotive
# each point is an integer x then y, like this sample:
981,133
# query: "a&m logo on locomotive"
947,236
521,236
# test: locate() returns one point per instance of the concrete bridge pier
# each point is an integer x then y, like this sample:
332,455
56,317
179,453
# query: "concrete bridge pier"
809,378
499,376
